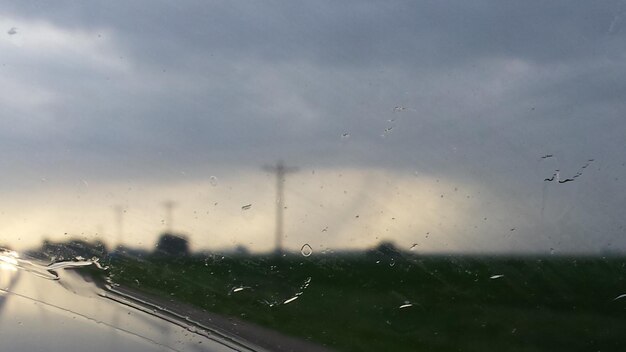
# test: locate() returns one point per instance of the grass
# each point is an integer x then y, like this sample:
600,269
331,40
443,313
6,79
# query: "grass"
352,302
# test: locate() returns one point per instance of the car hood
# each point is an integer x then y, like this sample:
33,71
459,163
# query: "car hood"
60,308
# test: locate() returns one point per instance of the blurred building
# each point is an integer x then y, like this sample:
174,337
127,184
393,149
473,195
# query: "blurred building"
170,244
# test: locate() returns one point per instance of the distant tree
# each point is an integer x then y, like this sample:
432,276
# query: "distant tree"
385,249
69,250
242,250
172,245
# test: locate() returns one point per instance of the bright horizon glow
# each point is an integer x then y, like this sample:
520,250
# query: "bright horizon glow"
328,209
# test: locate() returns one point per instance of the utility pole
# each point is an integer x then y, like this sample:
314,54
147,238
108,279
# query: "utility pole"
169,206
281,171
119,222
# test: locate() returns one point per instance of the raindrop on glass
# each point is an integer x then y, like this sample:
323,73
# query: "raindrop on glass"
399,108
213,181
306,250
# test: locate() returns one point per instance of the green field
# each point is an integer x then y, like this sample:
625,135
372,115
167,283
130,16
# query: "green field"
352,302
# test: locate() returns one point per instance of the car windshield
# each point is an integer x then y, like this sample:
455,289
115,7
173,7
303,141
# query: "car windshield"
313,176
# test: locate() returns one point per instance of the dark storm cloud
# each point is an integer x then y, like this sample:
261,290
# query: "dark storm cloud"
350,33
487,87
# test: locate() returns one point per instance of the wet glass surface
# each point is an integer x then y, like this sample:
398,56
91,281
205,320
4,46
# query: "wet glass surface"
311,177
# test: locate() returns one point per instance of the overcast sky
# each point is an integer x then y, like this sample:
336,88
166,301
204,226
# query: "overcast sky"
424,123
